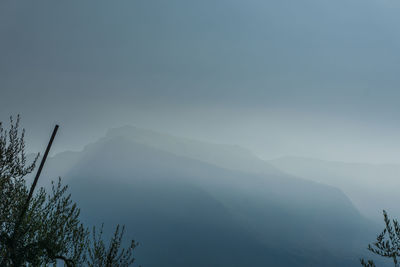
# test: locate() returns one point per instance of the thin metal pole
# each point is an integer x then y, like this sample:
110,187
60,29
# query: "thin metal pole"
40,169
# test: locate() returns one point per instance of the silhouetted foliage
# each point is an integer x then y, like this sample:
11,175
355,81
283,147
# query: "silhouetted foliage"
99,255
48,229
387,243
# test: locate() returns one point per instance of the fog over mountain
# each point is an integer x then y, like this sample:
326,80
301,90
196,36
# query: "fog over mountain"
266,132
371,188
179,196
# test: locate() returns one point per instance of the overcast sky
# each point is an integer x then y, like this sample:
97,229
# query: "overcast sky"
315,78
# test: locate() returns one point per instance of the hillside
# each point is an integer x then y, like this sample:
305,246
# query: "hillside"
371,187
186,211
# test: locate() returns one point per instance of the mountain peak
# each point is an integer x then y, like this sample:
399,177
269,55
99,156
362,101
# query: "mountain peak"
224,155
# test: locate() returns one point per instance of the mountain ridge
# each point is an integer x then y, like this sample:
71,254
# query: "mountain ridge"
371,187
154,190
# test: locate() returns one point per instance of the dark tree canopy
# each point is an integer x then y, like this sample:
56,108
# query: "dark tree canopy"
46,228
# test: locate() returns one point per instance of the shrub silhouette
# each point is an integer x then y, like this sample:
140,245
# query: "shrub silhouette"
387,243
42,228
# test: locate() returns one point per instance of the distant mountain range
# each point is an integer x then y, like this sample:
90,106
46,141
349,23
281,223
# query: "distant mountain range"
191,203
371,187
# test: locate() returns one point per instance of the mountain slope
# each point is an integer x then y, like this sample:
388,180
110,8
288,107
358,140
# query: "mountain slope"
188,212
371,188
226,156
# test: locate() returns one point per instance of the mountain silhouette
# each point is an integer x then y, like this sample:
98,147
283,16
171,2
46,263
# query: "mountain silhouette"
186,211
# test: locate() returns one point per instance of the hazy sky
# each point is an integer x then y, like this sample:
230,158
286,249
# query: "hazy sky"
316,78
